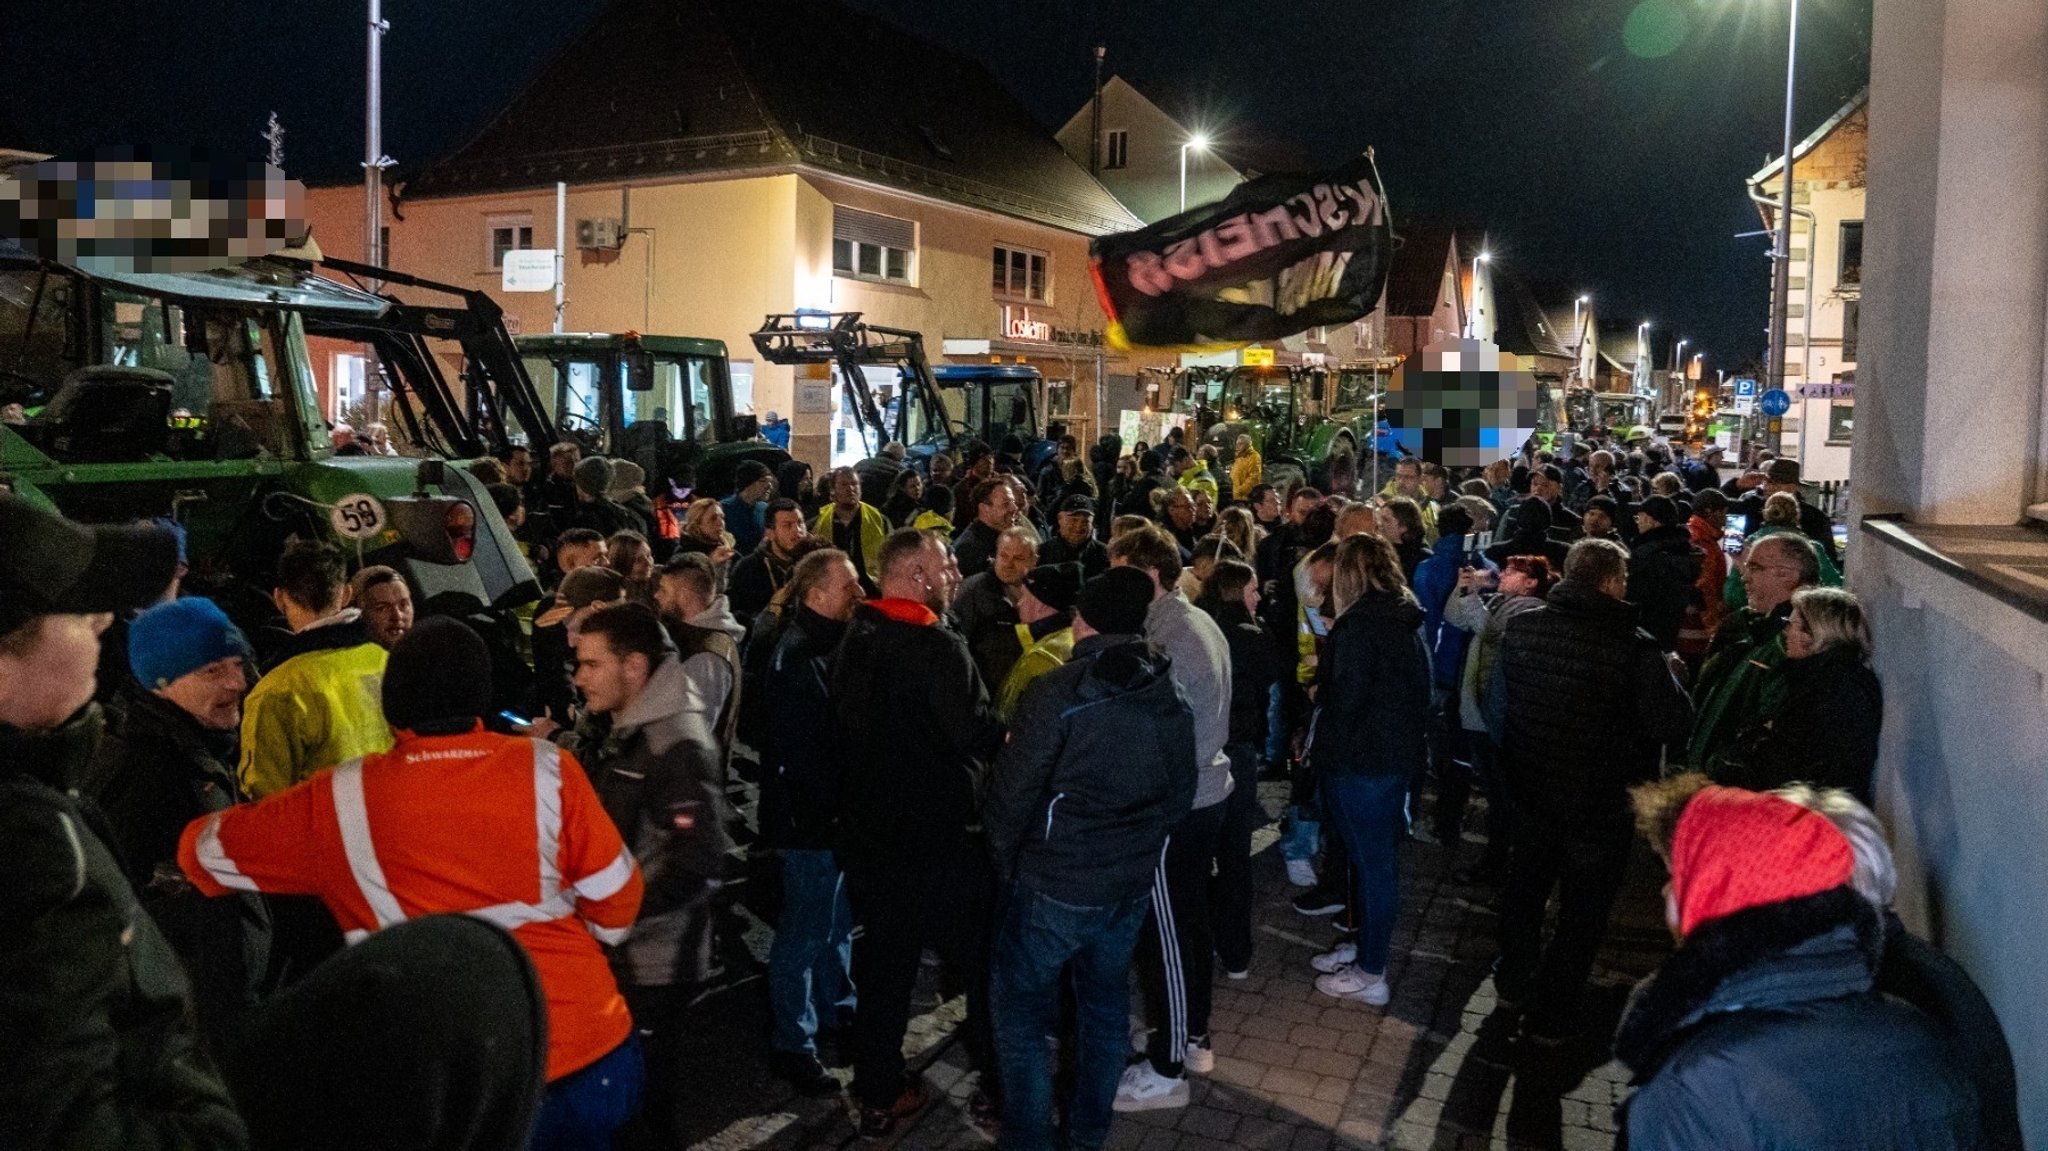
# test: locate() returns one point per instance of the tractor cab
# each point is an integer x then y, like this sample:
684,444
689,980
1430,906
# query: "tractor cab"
664,402
989,402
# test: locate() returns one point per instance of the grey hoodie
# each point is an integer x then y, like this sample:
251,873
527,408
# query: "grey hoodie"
1201,669
707,678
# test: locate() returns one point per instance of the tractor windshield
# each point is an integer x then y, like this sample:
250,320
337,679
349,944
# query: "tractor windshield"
1002,408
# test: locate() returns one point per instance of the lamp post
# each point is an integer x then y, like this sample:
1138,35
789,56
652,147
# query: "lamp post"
1472,301
1781,244
1579,337
1197,142
1641,374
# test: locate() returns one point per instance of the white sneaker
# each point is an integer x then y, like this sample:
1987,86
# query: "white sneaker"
1199,1057
1336,959
1351,983
1144,1089
1301,872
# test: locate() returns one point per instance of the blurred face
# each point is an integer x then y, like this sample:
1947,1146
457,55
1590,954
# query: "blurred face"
1001,509
846,490
608,683
519,468
580,556
213,694
1408,477
1299,509
1597,522
1645,523
1768,577
639,565
942,469
1251,597
913,486
1268,507
674,600
1798,639
1180,510
1389,526
1076,527
1014,557
787,531
1544,488
758,490
563,463
1205,508
387,611
1514,583
838,594
1244,445
41,687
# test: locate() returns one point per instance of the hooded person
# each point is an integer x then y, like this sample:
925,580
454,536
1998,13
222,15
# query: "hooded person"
1663,570
459,819
1764,1029
628,489
594,508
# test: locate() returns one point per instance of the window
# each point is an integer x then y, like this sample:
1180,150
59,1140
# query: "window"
508,234
870,246
1116,148
1850,319
1841,421
1019,274
1852,254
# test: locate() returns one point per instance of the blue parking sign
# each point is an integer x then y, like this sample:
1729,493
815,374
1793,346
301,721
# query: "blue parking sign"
1745,388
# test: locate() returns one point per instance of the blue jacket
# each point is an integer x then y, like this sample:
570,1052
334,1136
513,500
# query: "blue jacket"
743,522
1435,579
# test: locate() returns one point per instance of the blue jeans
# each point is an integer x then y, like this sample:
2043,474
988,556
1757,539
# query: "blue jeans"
1038,939
1276,725
1302,835
813,950
580,1110
1374,813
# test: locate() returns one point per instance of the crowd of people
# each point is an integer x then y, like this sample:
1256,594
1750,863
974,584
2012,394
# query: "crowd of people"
1019,720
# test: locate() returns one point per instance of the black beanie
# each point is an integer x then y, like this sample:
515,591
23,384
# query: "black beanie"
1117,601
440,671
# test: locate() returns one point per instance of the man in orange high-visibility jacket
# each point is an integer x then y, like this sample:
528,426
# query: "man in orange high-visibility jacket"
456,819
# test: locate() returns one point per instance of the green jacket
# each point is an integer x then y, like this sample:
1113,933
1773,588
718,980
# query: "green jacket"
1734,595
1741,683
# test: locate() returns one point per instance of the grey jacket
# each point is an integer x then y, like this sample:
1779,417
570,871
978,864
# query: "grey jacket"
1200,657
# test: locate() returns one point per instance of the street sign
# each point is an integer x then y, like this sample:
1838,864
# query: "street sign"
529,270
1775,402
1838,390
1258,357
1745,395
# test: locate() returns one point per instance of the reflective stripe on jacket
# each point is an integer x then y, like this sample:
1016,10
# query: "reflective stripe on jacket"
500,827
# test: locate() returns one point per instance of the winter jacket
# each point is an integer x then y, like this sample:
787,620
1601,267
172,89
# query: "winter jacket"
1763,1031
1435,580
1091,555
1710,604
320,705
1098,770
914,730
1257,662
799,764
1739,686
709,647
100,1048
1201,668
756,577
1589,699
658,772
1246,471
982,612
874,528
159,771
1919,973
1372,691
1824,730
974,547
605,517
1663,572
743,521
1196,478
1735,594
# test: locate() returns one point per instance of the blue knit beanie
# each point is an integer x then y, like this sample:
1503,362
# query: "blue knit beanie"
173,640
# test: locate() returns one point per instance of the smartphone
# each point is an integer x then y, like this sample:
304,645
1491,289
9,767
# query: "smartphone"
1731,539
515,719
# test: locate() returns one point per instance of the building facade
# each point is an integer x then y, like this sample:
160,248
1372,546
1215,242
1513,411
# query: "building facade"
1824,312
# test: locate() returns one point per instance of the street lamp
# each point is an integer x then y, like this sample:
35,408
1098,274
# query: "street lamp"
1781,244
1472,302
1200,143
1640,376
1677,351
1578,337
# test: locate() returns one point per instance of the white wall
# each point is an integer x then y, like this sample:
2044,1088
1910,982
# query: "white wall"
1949,403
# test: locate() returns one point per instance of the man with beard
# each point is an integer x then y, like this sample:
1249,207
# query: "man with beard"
757,575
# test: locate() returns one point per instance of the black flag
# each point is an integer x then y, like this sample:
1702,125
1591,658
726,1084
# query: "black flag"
1279,255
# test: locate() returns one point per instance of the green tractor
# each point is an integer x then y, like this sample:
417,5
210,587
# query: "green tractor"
1309,425
190,396
664,402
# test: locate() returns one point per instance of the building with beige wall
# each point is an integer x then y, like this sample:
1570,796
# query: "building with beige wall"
740,186
1825,286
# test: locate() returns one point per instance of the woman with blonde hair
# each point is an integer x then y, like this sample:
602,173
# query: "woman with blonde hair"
1366,742
1780,517
703,532
1825,728
1237,525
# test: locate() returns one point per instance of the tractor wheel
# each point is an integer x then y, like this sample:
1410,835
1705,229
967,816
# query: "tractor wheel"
1285,476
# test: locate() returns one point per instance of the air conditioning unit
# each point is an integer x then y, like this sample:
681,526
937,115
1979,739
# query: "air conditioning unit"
600,233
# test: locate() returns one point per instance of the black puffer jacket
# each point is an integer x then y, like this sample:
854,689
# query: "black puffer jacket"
1824,732
1099,768
799,764
1662,573
97,1047
1372,691
1763,1031
1589,699
914,729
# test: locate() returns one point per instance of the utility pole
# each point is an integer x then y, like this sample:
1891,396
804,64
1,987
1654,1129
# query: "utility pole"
374,159
1095,116
1781,245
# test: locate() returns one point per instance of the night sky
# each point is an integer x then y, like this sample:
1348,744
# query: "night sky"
1603,142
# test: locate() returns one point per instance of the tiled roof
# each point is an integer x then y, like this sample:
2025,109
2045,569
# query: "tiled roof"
684,87
1416,277
1522,327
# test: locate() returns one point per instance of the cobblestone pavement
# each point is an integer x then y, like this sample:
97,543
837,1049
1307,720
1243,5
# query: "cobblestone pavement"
1295,1070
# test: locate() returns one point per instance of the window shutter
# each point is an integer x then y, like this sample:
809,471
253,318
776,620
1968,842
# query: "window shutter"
871,228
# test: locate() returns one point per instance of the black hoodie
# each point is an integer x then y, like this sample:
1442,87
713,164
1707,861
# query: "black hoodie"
1372,698
1099,768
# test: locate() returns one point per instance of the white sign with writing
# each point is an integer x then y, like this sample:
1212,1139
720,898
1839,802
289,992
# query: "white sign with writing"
357,517
812,396
1018,325
529,270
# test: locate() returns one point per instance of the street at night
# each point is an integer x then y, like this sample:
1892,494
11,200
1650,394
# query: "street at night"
661,574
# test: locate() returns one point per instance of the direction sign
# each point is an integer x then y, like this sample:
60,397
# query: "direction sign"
529,270
1775,402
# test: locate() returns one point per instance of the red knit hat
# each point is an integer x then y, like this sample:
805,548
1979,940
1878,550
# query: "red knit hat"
1737,849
